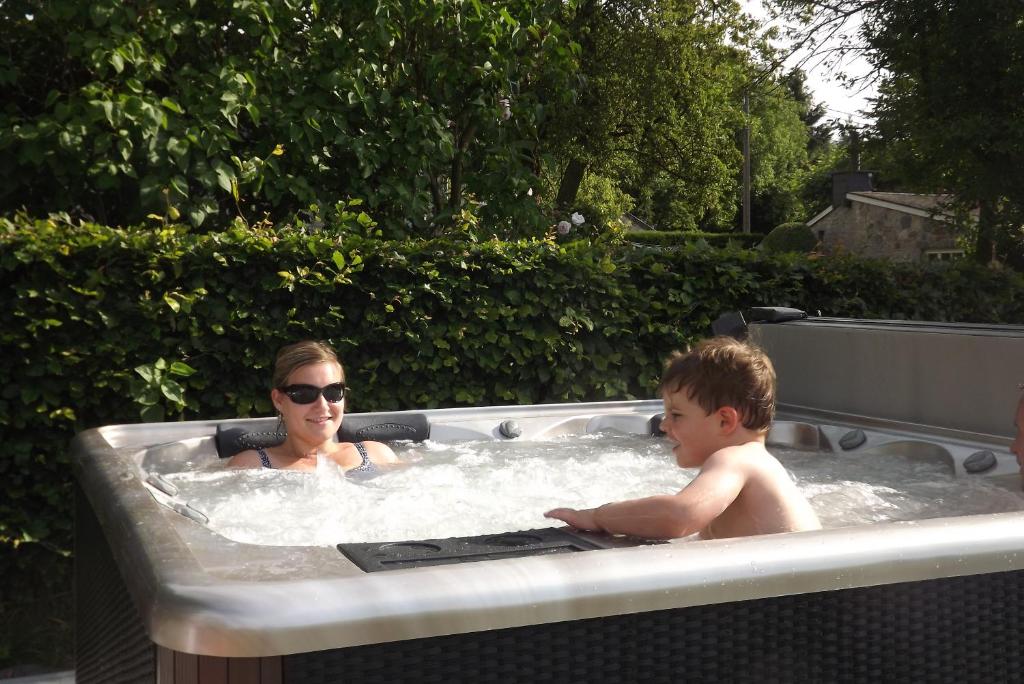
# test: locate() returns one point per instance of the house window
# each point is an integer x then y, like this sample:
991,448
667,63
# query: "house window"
943,254
821,236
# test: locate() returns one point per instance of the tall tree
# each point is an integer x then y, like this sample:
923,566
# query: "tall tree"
781,142
950,110
658,105
202,110
953,102
812,114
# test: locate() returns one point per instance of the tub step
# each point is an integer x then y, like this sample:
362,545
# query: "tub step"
374,557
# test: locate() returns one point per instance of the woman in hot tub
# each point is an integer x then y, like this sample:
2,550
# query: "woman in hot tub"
309,395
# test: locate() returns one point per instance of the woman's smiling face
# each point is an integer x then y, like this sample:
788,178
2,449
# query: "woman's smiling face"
317,422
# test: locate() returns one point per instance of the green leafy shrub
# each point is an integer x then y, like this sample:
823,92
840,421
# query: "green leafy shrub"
790,237
601,201
678,237
200,112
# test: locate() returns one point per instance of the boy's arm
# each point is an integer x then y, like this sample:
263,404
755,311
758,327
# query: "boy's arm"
668,516
580,518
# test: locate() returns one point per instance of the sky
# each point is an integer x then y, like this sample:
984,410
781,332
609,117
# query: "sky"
842,103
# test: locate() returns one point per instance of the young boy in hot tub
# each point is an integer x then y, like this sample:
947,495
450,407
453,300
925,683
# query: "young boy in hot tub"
719,403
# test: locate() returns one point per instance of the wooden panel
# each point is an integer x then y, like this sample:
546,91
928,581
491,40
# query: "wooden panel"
213,670
271,670
175,667
186,668
243,670
164,665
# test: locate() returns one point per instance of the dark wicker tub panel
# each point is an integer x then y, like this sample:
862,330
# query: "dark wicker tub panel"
961,629
111,644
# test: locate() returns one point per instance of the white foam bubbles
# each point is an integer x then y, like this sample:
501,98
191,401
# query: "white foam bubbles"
480,487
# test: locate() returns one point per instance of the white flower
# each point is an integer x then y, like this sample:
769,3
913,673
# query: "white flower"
564,227
577,219
529,193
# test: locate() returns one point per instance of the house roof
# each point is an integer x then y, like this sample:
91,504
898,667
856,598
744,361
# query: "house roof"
927,205
930,203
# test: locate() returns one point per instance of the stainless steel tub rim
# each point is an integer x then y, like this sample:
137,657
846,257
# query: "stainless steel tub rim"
201,593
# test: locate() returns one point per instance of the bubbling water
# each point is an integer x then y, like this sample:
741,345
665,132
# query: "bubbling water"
481,487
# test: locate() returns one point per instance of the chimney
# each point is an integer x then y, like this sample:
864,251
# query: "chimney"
850,181
854,149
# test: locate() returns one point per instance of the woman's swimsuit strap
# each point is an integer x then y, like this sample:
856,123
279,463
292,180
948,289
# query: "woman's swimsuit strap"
365,464
264,459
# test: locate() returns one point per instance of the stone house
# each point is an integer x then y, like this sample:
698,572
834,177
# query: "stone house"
891,225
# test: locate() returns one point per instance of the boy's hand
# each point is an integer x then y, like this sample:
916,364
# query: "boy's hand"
580,519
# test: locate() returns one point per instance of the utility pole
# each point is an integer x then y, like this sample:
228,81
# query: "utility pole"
746,161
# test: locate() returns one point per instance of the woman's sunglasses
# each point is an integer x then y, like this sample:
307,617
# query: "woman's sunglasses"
307,394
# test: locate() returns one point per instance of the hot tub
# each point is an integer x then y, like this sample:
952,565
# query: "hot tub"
162,597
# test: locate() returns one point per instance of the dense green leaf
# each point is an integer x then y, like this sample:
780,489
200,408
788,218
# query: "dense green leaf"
401,114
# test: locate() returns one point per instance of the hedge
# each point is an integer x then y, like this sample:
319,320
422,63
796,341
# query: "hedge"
103,325
790,237
678,237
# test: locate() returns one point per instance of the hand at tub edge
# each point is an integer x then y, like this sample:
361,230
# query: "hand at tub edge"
581,519
652,517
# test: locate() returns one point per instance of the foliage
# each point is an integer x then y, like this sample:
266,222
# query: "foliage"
442,116
949,113
37,602
816,181
821,131
156,385
779,142
657,109
601,200
658,113
679,237
955,100
419,324
206,111
790,237
790,183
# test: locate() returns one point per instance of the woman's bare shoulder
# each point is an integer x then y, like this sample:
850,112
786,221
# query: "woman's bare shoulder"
380,452
245,459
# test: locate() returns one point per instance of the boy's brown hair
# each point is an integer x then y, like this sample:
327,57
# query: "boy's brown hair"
723,371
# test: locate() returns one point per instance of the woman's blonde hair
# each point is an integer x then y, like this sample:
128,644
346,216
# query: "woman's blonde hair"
298,354
723,371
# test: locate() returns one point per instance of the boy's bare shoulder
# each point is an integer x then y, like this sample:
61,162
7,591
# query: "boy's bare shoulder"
752,452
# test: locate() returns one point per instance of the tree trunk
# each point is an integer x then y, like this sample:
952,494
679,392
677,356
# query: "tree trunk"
984,247
570,185
435,192
455,193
